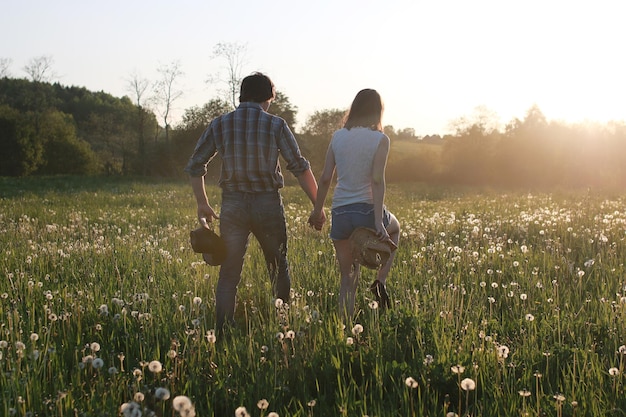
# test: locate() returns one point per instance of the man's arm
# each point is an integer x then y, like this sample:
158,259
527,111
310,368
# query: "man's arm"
206,214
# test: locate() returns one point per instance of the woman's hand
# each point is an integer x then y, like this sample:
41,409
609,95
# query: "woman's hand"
317,220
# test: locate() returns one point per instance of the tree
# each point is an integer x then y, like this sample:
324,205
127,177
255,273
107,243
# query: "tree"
64,153
324,122
5,63
198,118
39,69
235,56
138,86
20,153
282,107
166,93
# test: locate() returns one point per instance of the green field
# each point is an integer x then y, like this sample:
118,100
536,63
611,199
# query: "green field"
505,304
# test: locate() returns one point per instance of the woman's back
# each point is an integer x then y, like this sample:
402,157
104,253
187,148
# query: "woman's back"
354,152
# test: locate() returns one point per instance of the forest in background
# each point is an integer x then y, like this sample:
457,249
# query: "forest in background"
51,129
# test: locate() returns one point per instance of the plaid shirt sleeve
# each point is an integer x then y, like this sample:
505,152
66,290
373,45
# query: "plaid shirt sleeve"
290,150
203,153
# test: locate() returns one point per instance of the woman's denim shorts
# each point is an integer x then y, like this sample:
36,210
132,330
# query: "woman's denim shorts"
347,218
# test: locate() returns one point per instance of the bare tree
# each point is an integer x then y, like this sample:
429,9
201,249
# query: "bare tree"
39,69
166,93
5,63
235,56
138,86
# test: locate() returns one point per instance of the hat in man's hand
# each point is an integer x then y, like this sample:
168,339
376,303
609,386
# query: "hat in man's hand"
209,244
368,249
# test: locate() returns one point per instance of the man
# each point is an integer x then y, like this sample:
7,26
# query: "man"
249,141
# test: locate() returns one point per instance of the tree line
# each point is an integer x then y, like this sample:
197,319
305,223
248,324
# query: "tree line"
51,129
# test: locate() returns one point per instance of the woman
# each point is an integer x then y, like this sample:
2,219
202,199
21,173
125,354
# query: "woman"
358,153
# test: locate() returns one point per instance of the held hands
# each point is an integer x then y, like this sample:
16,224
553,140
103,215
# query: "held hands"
317,220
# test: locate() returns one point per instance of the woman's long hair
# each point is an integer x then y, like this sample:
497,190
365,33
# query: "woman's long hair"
366,111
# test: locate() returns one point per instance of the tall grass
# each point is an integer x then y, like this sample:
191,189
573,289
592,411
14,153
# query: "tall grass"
504,304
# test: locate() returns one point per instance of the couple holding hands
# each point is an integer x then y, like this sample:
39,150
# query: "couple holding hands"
249,141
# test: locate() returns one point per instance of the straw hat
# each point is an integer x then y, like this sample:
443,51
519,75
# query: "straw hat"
368,249
209,244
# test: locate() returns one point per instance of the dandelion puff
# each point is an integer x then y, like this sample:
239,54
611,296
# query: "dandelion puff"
181,402
155,367
529,317
622,349
457,369
273,414
241,412
34,337
278,303
4,344
197,301
357,329
95,347
97,363
428,360
524,393
559,397
290,334
311,403
373,304
411,382
613,371
468,384
113,370
263,404
210,336
349,341
139,397
162,394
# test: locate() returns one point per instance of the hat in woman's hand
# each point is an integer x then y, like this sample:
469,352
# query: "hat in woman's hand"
209,244
367,248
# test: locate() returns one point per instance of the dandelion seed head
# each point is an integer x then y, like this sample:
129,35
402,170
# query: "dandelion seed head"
411,382
162,394
613,371
155,367
97,363
197,301
139,397
524,393
241,412
94,346
262,404
468,384
357,329
278,303
349,341
457,369
34,337
181,402
529,317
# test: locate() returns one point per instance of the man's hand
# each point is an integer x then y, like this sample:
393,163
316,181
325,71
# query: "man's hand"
317,220
206,214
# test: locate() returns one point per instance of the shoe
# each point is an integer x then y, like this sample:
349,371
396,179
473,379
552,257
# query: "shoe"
380,292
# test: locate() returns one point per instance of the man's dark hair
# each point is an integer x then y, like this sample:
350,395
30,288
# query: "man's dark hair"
256,87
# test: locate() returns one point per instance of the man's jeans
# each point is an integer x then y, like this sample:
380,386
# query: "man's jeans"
263,215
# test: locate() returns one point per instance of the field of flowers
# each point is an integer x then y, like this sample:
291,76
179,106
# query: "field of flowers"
503,305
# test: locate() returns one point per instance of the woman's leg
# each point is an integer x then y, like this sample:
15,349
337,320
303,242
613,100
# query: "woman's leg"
349,278
393,228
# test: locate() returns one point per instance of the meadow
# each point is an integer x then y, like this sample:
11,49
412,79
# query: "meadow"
504,304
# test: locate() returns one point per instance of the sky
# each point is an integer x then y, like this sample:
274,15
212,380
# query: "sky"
433,62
